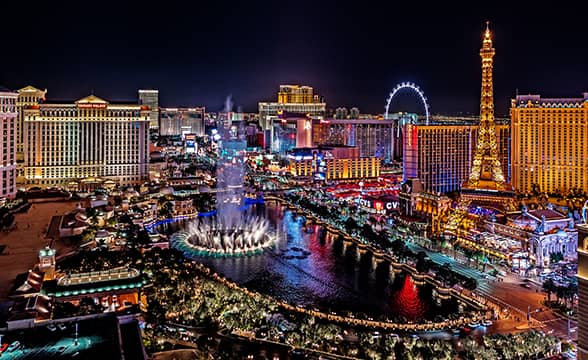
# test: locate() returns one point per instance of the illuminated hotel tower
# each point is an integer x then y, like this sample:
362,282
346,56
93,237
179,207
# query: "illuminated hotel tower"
86,144
27,96
549,147
8,116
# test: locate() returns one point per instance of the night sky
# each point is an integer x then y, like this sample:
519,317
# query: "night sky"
199,52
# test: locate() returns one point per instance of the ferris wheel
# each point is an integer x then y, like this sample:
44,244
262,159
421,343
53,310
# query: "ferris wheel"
414,88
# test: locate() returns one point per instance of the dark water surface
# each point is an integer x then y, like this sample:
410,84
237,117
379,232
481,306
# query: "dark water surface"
311,267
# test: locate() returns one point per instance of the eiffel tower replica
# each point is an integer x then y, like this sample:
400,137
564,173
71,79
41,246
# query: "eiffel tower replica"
486,186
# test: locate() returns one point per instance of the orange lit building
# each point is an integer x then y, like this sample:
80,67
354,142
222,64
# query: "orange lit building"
292,99
8,127
333,163
82,144
441,155
549,147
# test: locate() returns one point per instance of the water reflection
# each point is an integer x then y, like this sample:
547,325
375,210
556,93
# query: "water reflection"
309,266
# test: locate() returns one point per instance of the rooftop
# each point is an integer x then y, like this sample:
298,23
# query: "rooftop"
549,214
95,282
523,101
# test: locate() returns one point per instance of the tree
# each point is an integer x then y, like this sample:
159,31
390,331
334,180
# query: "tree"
166,209
549,287
143,237
570,291
350,224
556,257
422,264
8,220
468,254
560,293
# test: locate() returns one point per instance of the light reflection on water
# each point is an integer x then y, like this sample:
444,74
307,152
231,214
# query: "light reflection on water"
311,268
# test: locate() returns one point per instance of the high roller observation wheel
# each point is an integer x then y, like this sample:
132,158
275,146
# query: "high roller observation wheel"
413,87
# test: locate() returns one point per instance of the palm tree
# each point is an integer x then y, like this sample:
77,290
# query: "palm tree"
468,254
549,287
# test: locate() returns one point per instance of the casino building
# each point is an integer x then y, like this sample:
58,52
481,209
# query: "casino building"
332,163
549,148
440,155
8,120
294,99
86,144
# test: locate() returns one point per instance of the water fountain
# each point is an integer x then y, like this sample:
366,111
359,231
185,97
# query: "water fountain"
213,237
232,231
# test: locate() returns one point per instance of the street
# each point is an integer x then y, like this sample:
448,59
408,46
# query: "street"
509,294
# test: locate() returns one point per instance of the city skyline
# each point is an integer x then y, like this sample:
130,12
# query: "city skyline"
200,56
136,230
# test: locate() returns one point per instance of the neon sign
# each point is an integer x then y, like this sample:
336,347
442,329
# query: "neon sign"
92,106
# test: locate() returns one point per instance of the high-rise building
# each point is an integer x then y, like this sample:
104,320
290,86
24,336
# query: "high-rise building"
151,99
373,137
441,155
292,99
549,147
27,96
8,129
582,291
295,94
382,138
333,163
85,144
180,121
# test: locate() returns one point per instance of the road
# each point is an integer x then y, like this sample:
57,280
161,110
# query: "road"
64,348
509,294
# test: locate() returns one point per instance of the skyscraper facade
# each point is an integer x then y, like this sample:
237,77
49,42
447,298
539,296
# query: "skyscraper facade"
180,121
292,99
151,98
27,96
77,144
373,137
8,130
549,147
441,155
583,291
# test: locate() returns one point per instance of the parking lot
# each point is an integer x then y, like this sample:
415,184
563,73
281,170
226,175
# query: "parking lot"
97,339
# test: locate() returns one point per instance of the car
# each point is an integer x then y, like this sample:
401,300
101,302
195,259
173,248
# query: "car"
487,323
3,347
61,349
61,326
14,346
473,325
52,327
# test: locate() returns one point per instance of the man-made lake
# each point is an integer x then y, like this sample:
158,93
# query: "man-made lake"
309,266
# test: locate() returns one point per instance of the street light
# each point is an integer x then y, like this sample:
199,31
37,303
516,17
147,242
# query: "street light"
76,333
